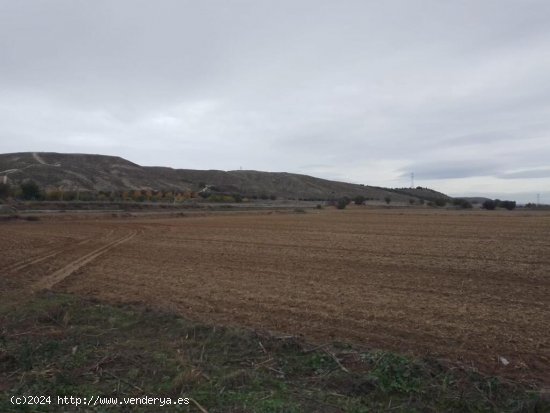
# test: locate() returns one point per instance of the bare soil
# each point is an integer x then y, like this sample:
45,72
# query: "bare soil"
468,287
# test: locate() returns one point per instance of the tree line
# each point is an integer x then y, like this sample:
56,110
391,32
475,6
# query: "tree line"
30,191
492,204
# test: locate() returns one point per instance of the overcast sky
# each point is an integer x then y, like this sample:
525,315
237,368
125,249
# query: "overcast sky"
457,92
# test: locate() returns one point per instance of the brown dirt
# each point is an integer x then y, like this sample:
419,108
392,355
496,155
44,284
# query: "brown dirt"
468,287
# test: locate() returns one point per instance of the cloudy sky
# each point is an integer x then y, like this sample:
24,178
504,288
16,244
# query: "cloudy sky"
457,92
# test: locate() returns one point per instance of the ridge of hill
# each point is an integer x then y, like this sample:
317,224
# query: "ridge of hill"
423,193
88,172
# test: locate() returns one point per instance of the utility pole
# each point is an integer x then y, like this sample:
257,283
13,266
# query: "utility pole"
412,179
538,199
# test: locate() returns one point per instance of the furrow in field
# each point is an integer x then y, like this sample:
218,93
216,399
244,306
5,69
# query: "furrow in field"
70,268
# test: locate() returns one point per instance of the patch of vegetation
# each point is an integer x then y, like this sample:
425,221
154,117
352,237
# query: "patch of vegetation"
30,190
221,198
491,205
462,203
425,194
13,217
439,202
342,203
5,190
265,197
509,205
64,345
532,205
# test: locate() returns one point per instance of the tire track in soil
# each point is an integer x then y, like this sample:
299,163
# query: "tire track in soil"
17,266
59,275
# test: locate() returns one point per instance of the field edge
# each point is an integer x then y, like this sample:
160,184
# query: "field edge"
62,344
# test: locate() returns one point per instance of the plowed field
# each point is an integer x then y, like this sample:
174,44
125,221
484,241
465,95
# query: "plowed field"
468,287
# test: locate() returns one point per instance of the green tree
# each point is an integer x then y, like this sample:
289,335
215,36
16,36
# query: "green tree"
342,203
462,203
509,205
4,190
30,190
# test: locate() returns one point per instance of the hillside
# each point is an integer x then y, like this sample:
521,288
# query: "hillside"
110,173
424,193
476,199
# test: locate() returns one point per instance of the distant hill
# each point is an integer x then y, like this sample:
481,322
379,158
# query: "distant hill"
475,199
111,173
424,193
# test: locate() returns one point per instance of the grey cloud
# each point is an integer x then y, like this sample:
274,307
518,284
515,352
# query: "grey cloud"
531,174
479,138
368,90
451,169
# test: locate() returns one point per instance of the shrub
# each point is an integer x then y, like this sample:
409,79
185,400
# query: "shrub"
440,202
319,206
70,196
359,200
342,203
54,195
387,199
462,203
221,198
497,203
5,190
91,196
509,205
412,201
489,205
30,190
